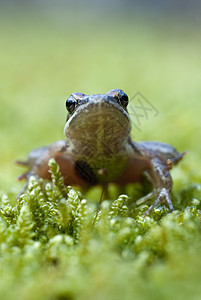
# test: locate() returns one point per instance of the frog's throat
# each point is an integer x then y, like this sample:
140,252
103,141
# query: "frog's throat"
98,127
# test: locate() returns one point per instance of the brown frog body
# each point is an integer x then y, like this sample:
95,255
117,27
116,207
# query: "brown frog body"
99,150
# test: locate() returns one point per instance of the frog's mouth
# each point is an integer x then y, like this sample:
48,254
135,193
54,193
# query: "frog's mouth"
99,123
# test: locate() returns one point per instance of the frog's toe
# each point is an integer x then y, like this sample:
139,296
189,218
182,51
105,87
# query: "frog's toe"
147,197
23,176
22,163
164,197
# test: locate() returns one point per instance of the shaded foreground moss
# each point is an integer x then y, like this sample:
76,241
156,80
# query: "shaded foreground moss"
50,248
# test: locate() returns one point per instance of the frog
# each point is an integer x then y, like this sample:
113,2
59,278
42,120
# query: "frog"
98,150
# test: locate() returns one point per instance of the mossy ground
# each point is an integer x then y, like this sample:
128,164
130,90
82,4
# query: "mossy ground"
50,248
53,246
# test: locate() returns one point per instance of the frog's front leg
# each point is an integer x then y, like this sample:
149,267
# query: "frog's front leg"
37,164
161,179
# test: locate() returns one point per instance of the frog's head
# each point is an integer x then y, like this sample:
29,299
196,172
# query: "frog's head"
103,117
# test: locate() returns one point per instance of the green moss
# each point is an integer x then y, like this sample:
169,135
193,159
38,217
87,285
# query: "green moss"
52,249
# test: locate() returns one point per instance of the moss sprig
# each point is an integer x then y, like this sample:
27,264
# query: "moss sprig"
7,211
119,208
57,179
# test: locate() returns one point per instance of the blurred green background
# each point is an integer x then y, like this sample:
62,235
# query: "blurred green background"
49,50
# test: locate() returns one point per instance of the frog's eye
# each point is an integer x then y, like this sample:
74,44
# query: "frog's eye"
123,98
70,104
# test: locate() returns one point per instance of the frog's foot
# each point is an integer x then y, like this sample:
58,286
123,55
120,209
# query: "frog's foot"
162,197
160,177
